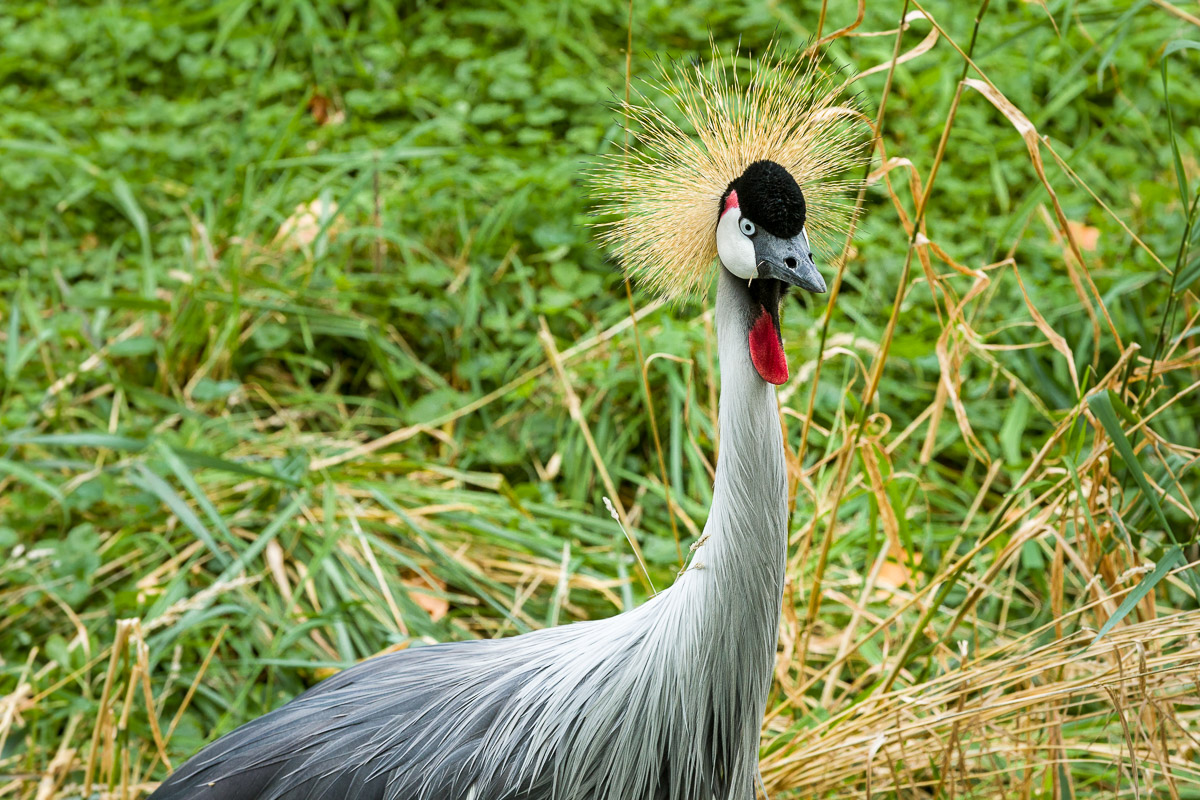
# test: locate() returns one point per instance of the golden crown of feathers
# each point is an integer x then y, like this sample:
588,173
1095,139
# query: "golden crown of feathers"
663,188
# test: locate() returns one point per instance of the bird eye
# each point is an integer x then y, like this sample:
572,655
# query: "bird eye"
747,227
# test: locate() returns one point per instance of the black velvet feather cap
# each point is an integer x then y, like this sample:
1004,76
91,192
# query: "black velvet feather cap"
770,198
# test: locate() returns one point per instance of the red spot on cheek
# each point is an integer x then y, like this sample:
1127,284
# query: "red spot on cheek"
766,350
730,202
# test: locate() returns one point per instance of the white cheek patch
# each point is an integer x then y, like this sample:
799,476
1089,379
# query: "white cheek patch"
734,247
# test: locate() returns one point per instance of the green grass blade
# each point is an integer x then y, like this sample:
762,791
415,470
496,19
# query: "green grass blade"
272,530
193,488
154,484
1101,404
11,365
1165,564
94,439
1180,175
25,474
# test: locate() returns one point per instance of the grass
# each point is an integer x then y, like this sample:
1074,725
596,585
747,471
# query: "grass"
308,352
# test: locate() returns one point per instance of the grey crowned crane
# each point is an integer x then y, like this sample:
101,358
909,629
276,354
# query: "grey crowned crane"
666,700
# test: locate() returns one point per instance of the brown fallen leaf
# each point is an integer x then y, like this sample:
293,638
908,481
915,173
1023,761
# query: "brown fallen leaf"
419,590
324,111
893,575
1087,236
319,106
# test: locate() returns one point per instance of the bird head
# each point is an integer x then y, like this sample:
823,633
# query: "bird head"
760,228
760,234
743,171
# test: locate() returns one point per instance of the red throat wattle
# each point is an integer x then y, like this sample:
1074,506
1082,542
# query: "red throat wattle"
766,350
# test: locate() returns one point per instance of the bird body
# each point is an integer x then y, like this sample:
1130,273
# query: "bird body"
664,701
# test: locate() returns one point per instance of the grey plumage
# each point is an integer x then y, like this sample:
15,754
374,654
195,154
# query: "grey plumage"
663,702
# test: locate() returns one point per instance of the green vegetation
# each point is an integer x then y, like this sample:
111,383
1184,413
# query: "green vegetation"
242,243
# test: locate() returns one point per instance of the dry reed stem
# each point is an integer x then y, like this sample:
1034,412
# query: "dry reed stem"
574,408
814,600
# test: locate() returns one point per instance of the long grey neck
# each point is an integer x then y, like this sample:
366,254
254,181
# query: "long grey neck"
725,606
666,701
746,534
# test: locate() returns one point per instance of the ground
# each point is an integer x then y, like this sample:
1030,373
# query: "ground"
276,394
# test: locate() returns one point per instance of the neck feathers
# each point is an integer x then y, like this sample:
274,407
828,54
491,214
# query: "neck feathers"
728,601
749,510
664,702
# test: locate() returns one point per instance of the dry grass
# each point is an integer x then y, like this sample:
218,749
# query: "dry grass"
1001,723
1005,721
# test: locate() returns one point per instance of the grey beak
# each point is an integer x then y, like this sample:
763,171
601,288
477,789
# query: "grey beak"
787,260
